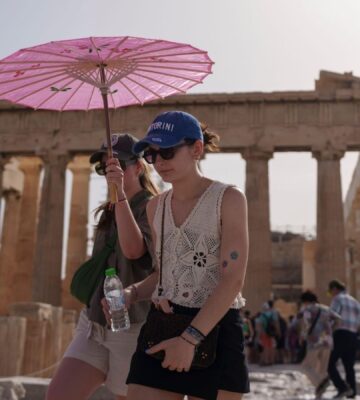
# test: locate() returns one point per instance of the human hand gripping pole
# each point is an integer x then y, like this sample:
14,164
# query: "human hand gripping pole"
115,178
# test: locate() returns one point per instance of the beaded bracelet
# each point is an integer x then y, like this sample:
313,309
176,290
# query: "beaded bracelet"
195,333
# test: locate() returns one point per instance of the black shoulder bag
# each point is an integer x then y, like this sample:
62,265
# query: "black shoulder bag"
161,326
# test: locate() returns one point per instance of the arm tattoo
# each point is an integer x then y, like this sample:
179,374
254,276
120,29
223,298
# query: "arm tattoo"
233,255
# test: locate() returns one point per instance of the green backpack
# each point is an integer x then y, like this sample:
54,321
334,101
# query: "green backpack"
89,274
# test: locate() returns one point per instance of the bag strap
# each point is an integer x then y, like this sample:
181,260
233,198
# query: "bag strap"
160,287
314,323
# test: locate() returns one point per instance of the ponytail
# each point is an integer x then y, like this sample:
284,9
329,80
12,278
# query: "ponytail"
211,139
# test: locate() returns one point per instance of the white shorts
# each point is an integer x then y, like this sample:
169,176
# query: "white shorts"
108,351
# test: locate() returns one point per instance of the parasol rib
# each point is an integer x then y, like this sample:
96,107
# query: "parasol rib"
163,56
50,54
45,87
144,87
72,49
112,51
138,47
35,61
96,48
167,74
174,62
12,71
90,98
131,92
156,50
72,95
178,69
32,83
31,77
157,81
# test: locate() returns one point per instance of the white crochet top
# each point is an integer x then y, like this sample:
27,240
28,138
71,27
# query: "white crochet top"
191,252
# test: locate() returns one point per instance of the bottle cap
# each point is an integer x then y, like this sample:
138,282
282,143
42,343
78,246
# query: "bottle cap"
110,271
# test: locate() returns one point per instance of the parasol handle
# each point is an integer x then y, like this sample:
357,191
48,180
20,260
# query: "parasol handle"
104,91
112,187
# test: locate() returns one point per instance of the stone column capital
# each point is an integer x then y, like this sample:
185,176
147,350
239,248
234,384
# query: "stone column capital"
256,153
80,165
30,164
59,160
4,159
11,193
328,153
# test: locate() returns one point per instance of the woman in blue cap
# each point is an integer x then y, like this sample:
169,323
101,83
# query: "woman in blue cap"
200,234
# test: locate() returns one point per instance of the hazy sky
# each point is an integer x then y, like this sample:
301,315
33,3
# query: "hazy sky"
257,45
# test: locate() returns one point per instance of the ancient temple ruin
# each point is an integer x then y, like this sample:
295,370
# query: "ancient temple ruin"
324,121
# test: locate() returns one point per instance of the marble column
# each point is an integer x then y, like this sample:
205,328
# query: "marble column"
77,243
330,262
31,167
258,277
49,238
8,248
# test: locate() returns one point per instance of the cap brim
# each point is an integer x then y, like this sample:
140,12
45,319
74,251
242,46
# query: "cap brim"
155,141
96,157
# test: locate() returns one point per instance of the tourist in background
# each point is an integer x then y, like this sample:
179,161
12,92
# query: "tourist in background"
280,340
267,329
249,333
345,339
317,323
292,340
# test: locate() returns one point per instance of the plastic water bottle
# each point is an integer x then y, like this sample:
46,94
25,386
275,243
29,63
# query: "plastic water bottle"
114,294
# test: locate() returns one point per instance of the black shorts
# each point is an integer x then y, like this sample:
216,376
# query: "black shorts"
229,371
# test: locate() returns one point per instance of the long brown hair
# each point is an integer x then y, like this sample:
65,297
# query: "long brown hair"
146,182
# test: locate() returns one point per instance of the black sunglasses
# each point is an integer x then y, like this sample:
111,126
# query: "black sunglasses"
100,167
165,153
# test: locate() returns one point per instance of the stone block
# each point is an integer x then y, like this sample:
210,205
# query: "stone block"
11,390
12,343
53,340
37,316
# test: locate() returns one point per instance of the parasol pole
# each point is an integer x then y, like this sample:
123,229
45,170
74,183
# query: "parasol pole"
104,93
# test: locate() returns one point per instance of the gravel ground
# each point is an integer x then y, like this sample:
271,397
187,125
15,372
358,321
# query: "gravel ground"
279,382
285,382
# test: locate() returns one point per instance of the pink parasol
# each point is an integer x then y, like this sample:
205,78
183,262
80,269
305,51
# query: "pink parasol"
100,72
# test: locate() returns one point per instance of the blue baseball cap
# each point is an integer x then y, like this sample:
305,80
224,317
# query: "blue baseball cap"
169,129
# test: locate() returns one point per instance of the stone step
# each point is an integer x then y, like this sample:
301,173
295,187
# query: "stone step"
35,389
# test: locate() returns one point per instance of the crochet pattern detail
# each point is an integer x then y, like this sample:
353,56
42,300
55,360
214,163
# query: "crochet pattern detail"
191,252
